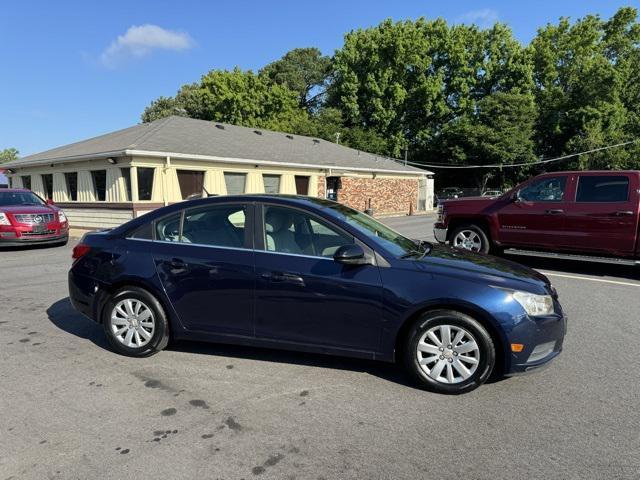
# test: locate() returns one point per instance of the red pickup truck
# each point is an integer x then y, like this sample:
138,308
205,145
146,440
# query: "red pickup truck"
587,215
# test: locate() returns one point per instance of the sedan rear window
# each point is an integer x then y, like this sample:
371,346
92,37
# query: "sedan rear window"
610,188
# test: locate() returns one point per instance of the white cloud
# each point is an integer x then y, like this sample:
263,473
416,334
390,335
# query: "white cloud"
484,18
140,41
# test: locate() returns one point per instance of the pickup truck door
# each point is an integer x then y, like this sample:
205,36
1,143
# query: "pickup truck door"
536,216
604,216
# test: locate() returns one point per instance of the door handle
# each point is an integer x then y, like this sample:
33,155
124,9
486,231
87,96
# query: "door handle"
177,264
279,277
623,213
557,211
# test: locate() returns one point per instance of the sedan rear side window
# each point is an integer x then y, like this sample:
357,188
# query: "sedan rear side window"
603,189
216,226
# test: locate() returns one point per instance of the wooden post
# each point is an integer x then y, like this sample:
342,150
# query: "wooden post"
410,208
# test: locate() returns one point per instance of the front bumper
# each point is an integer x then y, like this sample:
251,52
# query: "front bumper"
543,338
440,233
15,241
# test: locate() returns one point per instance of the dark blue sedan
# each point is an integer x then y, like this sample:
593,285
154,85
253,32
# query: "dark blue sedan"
307,274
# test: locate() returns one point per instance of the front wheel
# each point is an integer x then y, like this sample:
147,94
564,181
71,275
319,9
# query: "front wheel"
135,323
449,352
470,237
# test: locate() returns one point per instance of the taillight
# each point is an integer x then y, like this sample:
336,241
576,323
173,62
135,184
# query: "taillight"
80,251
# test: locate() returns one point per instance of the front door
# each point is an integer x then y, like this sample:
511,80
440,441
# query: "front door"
604,216
303,295
205,264
536,217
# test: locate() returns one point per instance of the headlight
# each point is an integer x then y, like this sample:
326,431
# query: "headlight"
534,305
62,217
3,219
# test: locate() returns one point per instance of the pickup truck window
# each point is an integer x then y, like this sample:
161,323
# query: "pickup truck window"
549,189
603,189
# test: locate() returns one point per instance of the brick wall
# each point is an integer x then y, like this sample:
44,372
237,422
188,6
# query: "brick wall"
388,195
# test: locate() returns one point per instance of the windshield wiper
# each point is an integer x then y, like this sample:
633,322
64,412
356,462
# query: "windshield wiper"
420,244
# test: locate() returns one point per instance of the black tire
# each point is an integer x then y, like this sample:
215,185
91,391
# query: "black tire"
485,242
160,336
435,318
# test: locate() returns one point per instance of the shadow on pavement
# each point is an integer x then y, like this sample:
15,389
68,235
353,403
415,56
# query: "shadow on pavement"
66,318
63,316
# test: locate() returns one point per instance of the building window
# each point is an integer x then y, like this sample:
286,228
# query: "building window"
126,175
271,183
302,185
26,181
145,183
71,179
235,182
47,181
99,178
191,182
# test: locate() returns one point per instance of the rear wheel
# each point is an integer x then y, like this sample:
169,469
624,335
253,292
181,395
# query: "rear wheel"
449,352
135,323
470,237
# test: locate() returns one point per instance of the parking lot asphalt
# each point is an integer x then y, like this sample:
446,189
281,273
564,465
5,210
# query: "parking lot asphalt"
70,408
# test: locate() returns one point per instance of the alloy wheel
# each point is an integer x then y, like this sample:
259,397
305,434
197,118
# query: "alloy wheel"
132,323
468,240
448,354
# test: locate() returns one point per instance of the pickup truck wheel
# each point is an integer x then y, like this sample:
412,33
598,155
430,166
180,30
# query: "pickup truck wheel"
470,237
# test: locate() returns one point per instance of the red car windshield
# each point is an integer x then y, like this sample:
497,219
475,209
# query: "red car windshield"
12,199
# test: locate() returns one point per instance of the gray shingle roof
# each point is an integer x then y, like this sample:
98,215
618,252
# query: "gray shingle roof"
199,137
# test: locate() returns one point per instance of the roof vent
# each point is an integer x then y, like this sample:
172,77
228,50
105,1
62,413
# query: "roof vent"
290,137
257,132
316,141
221,127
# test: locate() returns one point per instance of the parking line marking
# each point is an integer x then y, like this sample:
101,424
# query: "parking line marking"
577,277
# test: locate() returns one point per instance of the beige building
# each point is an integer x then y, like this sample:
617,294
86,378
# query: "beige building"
105,181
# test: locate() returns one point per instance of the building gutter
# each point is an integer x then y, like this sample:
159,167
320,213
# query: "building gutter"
189,156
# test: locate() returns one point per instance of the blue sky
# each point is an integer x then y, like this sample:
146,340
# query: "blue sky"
76,69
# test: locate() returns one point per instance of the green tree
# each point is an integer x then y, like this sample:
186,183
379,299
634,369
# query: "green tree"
303,70
8,155
499,131
586,76
160,108
407,80
237,97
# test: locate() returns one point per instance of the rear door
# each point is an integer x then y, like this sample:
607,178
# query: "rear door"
604,216
204,257
536,217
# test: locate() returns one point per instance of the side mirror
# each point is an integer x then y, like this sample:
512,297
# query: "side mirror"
50,201
350,255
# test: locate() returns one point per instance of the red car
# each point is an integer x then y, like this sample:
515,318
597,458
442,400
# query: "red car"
26,219
587,215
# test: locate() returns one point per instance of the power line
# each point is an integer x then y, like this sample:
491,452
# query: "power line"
509,165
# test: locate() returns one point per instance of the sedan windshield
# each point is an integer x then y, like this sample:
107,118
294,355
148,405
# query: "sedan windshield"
398,245
11,199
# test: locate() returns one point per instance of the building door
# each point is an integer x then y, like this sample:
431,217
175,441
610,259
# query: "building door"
333,185
302,185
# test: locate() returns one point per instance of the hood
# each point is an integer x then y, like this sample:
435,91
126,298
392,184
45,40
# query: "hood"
21,209
476,263
470,203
